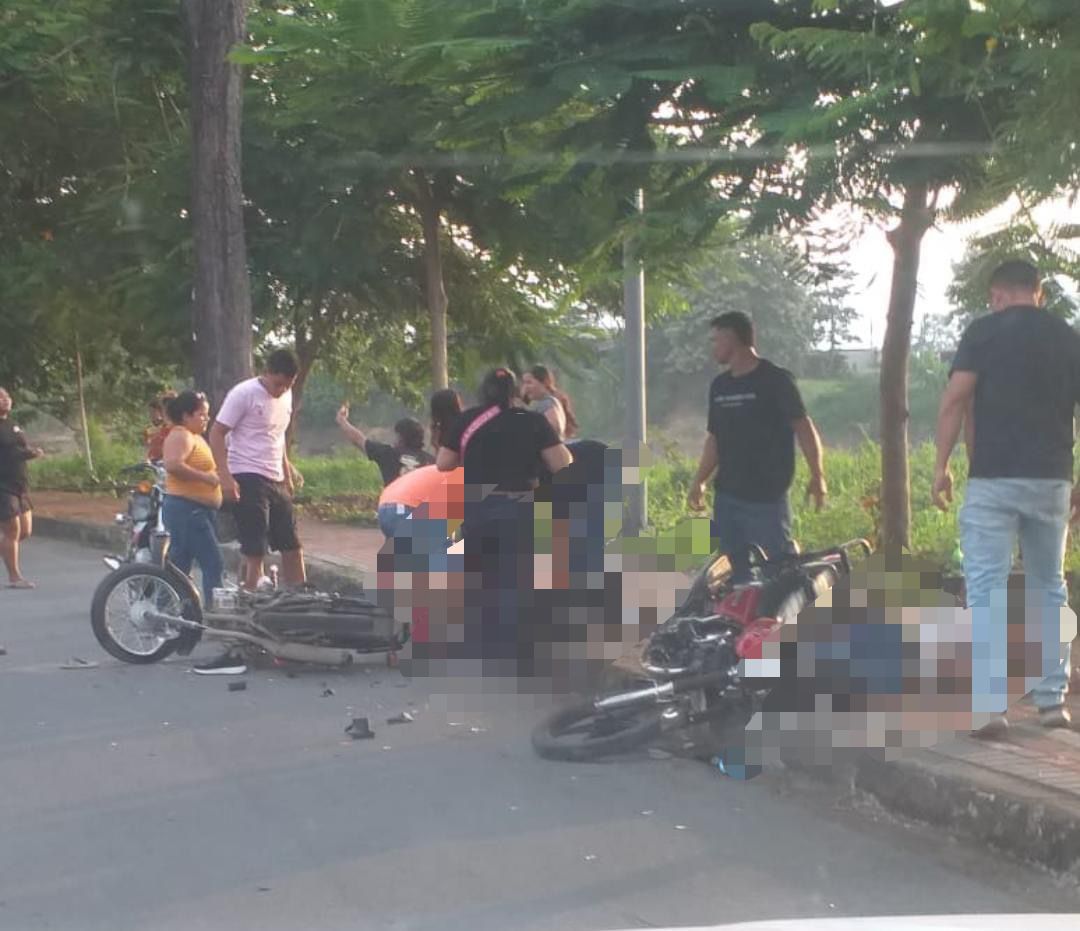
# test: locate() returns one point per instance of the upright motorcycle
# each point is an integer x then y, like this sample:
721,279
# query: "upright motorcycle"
704,668
146,537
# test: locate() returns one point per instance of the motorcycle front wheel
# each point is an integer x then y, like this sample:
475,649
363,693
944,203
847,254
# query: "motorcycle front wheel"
580,733
120,605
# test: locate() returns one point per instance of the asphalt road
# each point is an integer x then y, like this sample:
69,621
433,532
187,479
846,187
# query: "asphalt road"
149,798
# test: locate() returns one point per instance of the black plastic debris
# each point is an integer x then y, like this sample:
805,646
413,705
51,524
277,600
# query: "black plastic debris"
404,718
3,651
360,729
77,662
237,686
327,693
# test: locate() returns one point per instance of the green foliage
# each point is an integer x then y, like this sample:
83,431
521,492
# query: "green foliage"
345,473
1054,251
70,472
852,508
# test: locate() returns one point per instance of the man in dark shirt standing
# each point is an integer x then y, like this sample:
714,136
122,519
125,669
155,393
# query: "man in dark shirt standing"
755,416
1020,367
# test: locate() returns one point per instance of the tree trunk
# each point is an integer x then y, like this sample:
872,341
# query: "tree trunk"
306,353
221,300
84,424
431,217
906,240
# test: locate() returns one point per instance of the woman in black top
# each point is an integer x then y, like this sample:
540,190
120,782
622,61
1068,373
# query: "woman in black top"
504,449
16,521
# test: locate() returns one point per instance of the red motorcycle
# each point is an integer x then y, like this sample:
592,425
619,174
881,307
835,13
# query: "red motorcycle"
703,669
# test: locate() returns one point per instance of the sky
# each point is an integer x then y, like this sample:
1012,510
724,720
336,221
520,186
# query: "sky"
871,259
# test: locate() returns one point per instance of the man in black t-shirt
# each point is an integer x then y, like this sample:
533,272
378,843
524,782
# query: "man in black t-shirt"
406,454
755,416
1018,370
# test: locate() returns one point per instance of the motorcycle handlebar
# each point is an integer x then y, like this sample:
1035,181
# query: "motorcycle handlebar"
138,467
842,551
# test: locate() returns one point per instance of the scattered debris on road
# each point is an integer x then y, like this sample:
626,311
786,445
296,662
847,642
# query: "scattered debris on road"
328,693
77,662
360,729
237,686
404,718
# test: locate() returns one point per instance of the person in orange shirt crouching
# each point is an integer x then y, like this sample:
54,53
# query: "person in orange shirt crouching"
425,494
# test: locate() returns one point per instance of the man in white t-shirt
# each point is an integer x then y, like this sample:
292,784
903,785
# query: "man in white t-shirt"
248,440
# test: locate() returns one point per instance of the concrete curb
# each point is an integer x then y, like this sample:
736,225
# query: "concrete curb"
107,537
1025,820
326,574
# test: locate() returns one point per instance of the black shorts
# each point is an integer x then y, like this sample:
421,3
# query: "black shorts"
12,504
264,516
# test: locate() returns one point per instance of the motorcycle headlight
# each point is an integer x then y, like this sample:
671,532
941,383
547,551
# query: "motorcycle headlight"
140,507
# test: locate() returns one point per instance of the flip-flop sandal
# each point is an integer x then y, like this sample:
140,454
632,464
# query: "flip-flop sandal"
22,584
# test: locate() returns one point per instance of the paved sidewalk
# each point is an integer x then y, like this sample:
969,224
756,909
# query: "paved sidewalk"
1020,795
334,542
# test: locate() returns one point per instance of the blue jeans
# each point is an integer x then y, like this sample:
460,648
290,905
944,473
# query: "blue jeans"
737,523
996,514
390,517
417,543
499,575
192,530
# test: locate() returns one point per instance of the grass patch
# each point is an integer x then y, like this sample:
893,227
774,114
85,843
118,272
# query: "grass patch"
71,473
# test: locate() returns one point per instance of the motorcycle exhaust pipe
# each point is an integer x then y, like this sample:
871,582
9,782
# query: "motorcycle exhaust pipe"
297,652
665,691
656,694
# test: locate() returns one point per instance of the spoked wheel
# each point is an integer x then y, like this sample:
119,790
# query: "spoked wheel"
582,733
122,602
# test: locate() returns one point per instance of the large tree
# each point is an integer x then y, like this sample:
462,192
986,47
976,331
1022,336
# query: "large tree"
221,296
91,102
890,122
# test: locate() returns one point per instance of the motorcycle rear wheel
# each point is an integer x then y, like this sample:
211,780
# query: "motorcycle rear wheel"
580,733
136,587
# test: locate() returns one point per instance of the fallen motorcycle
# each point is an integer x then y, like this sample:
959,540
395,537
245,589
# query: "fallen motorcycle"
703,668
142,613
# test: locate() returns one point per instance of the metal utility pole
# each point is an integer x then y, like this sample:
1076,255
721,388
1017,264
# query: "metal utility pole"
636,512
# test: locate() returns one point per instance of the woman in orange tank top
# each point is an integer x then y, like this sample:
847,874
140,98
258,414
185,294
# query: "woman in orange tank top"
192,491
